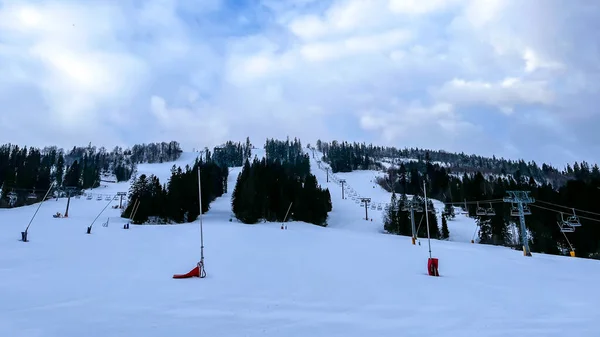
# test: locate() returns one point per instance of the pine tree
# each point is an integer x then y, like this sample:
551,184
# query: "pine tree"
390,222
445,235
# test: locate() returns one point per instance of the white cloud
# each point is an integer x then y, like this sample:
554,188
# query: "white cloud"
505,94
408,73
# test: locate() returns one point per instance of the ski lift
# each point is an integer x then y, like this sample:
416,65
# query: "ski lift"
107,198
480,210
32,195
406,206
573,220
565,227
491,211
12,195
89,197
373,207
526,210
379,207
99,197
116,197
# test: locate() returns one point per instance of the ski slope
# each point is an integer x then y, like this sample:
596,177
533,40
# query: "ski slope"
363,183
263,281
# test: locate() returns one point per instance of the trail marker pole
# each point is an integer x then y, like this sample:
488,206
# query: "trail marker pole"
343,181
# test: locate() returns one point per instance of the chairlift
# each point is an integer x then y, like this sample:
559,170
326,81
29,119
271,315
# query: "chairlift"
491,211
480,210
379,207
373,207
573,220
89,197
99,197
32,195
565,227
526,210
12,195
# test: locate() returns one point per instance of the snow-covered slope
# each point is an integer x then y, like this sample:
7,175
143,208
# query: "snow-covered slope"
263,281
362,183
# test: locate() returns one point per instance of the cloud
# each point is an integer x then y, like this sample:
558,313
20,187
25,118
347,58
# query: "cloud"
428,73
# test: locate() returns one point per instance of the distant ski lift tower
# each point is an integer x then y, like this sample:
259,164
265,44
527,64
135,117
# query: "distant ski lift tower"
69,190
343,181
366,201
521,199
121,195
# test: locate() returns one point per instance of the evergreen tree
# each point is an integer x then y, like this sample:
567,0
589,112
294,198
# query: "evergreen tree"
445,234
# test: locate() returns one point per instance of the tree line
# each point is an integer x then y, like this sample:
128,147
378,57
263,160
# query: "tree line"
543,224
177,201
26,173
266,188
345,157
231,154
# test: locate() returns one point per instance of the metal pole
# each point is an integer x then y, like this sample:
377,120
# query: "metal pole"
427,219
524,238
366,211
68,203
412,223
102,211
200,205
342,181
40,205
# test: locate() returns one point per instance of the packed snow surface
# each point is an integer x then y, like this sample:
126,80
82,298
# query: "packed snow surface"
264,281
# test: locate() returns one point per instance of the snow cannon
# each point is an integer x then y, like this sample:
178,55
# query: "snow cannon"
198,271
432,266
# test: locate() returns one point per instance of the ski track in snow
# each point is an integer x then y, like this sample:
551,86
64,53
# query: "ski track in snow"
344,280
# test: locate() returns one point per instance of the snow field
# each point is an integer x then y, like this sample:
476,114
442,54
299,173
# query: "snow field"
263,281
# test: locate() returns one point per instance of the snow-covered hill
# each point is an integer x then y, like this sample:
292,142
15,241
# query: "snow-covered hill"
361,184
264,281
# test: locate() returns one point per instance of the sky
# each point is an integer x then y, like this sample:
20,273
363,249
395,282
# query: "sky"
511,78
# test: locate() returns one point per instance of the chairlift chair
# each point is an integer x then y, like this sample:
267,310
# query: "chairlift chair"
526,210
480,210
379,207
32,195
99,197
565,227
573,220
491,211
